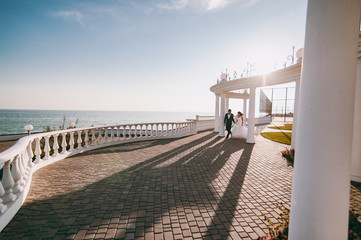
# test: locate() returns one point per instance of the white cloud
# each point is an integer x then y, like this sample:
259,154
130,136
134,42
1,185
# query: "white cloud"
71,15
204,5
174,4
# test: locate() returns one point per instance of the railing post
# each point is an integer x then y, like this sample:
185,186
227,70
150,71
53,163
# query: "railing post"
46,148
93,137
63,143
30,153
86,138
3,207
55,145
118,133
105,134
37,150
100,135
112,134
8,183
24,168
16,174
71,142
79,141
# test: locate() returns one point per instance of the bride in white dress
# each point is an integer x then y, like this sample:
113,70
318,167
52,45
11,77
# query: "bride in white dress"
239,130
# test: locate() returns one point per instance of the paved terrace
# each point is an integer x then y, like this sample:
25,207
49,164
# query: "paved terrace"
196,187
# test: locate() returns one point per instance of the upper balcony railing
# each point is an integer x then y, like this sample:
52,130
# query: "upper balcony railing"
30,153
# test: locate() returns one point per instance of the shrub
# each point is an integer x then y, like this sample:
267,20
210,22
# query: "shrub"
278,231
289,154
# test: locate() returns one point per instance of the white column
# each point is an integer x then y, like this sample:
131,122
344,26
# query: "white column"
227,104
245,111
356,142
216,114
251,119
221,118
295,114
321,181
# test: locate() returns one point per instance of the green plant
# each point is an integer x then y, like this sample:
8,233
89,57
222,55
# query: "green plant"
289,154
354,230
287,126
278,231
76,123
48,129
281,137
61,127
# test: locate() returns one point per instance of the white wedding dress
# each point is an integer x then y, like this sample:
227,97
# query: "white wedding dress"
239,131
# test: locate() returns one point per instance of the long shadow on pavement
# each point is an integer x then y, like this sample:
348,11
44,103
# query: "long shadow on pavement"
183,192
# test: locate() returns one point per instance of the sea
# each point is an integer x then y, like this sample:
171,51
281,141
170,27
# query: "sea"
13,121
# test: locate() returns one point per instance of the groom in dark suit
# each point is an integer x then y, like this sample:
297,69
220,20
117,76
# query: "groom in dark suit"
228,119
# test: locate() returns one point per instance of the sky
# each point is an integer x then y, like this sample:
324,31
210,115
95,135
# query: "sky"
138,55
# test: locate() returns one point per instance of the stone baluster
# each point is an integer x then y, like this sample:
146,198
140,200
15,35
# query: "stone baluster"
55,145
93,137
30,153
124,132
71,141
118,133
100,135
140,131
86,138
8,183
63,143
16,174
3,207
135,131
46,148
105,135
37,150
79,141
112,134
24,167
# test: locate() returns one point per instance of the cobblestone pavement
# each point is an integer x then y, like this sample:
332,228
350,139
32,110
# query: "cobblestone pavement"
196,187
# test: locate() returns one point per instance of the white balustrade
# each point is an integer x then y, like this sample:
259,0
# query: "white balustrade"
18,163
